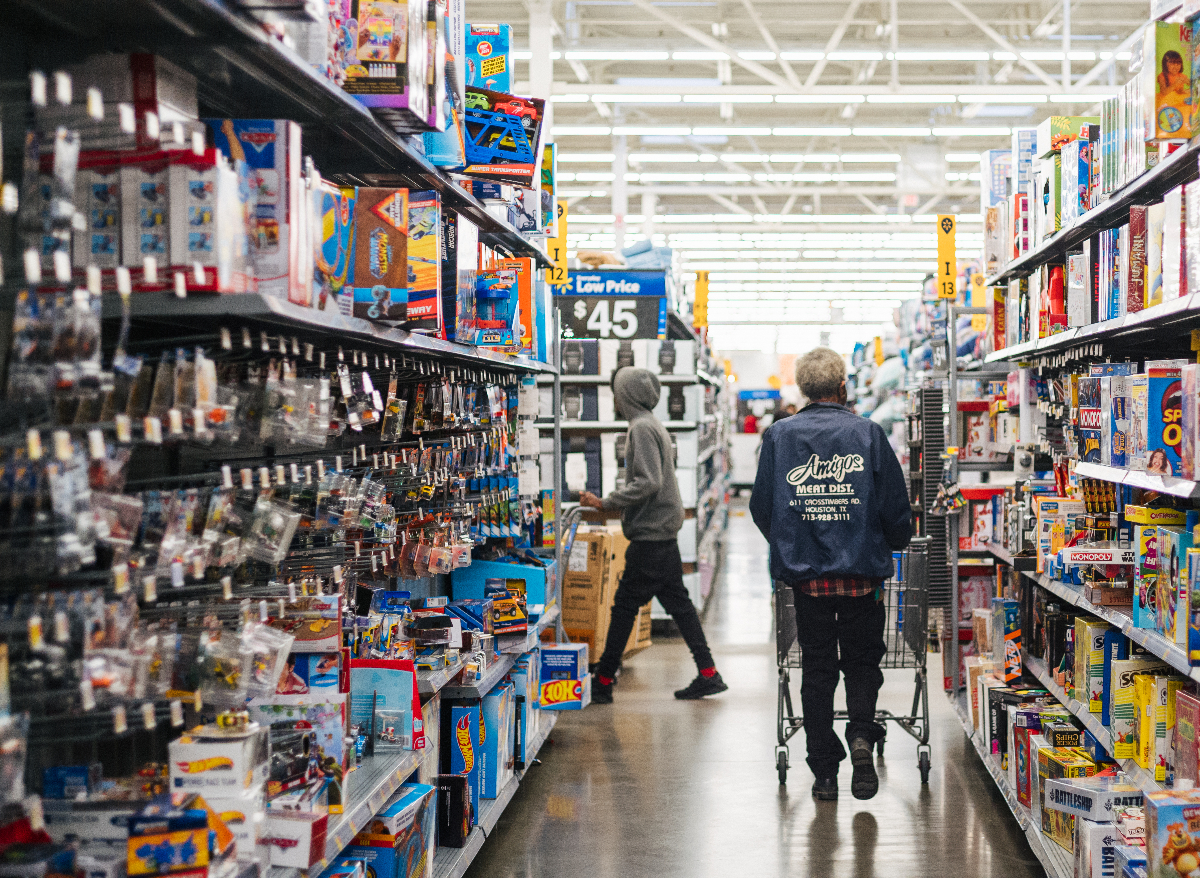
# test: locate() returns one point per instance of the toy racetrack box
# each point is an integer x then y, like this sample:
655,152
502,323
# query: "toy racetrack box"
504,135
400,839
488,51
565,682
378,288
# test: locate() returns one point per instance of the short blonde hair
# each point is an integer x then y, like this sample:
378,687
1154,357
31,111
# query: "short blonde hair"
820,373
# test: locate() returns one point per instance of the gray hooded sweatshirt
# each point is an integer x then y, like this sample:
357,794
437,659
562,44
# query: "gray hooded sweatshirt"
649,503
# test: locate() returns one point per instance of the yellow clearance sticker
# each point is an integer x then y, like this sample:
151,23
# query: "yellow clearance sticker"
947,264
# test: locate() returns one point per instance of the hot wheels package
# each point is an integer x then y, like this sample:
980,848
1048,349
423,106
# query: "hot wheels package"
271,530
265,651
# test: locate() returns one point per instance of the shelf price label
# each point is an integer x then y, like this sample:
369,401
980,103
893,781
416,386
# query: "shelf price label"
947,260
556,275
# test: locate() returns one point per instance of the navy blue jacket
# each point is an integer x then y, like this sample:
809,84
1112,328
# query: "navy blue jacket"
830,496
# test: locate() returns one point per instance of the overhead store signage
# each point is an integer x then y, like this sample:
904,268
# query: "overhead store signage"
700,306
947,258
614,305
759,395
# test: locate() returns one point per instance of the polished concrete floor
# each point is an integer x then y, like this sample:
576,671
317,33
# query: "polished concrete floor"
650,786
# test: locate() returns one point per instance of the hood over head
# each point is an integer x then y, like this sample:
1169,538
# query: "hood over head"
635,390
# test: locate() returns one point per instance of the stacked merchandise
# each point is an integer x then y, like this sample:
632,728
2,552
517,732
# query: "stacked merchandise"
242,540
594,449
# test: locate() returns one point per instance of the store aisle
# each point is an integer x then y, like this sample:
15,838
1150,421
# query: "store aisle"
654,787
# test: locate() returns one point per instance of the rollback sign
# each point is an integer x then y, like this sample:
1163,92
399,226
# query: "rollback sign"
822,492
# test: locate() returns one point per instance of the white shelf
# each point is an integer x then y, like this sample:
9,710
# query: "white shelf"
492,675
1172,485
1055,860
452,863
613,425
510,644
1091,722
430,682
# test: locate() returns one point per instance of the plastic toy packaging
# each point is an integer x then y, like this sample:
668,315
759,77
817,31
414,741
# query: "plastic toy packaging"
219,668
178,550
14,740
308,421
271,530
107,472
373,509
222,536
393,413
70,499
112,674
265,651
120,516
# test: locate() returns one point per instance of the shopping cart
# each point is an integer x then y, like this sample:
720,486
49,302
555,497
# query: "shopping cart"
906,634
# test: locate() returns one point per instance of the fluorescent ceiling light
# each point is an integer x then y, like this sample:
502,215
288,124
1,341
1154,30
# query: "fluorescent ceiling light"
726,177
1002,99
1044,55
585,157
595,176
971,132
743,157
792,158
855,55
648,130
819,99
569,99
869,157
670,177
938,56
583,193
731,129
699,56
802,56
891,132
757,56
618,55
963,175
664,157
811,132
727,99
637,99
580,130
1121,56
1078,99
910,99
952,157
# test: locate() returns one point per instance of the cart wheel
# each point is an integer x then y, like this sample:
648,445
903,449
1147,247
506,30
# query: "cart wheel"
923,765
879,746
781,764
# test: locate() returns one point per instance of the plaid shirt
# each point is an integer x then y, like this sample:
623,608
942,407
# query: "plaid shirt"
843,587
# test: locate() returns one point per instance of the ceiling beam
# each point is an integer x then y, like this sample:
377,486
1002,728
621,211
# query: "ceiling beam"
713,43
701,190
871,206
727,203
769,39
1108,62
566,88
834,40
1003,43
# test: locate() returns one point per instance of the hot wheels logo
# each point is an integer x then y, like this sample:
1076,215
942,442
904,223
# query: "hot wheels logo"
462,734
207,765
559,692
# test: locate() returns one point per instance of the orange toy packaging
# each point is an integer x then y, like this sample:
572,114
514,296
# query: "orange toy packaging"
1172,832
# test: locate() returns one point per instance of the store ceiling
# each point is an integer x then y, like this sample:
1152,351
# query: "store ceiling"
752,123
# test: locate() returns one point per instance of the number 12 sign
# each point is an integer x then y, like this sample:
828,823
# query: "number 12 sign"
947,258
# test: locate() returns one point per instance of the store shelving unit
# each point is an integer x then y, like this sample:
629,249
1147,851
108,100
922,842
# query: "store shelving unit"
451,863
1172,485
241,72
1055,860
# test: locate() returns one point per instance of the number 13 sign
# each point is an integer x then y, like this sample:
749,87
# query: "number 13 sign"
947,260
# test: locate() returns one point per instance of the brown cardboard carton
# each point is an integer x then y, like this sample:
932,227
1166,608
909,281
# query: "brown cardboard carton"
590,580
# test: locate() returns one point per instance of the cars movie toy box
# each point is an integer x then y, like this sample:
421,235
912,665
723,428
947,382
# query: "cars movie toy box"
565,682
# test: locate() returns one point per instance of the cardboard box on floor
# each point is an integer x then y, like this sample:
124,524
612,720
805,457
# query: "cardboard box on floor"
592,572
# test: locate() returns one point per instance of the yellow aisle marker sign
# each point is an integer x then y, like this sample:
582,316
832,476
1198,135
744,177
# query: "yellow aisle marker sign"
879,358
700,307
978,300
947,259
556,275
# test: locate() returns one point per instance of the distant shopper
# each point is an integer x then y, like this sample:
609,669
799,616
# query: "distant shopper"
651,516
830,499
750,424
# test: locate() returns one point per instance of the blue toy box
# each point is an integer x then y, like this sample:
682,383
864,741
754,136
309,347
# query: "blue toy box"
496,769
541,581
565,682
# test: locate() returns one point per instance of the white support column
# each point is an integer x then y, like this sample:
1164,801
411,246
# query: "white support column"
649,208
541,43
1066,45
620,191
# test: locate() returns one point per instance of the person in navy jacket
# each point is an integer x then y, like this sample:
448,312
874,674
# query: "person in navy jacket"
831,500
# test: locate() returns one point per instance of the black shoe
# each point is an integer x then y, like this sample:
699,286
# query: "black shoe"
825,788
864,784
601,693
701,687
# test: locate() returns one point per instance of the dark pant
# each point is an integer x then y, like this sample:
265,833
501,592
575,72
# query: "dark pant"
839,634
653,569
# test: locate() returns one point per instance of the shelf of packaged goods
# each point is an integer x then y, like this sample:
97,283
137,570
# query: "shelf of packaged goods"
984,466
367,788
607,379
516,645
1152,640
1020,562
1140,326
1054,859
612,425
199,312
433,680
705,454
451,863
1172,485
492,675
1090,721
240,71
1177,168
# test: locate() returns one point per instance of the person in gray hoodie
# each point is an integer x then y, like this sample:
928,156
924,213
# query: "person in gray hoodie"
651,516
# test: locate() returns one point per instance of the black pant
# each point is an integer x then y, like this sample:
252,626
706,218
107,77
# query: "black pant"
653,569
835,634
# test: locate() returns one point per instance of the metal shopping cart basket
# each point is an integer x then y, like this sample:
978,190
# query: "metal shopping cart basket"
906,633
